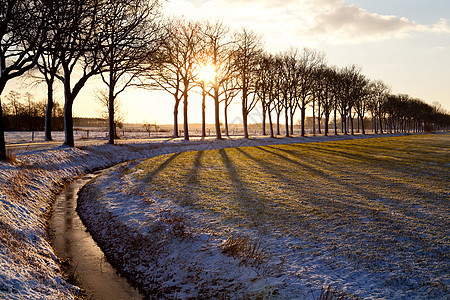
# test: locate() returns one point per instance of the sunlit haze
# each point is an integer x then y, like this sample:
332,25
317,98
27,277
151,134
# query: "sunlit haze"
206,73
405,43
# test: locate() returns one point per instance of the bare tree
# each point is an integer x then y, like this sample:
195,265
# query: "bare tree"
219,49
246,58
103,98
290,72
309,61
354,92
276,93
16,107
350,83
230,88
204,92
149,127
324,82
23,27
76,26
380,92
264,89
361,104
132,35
176,65
49,66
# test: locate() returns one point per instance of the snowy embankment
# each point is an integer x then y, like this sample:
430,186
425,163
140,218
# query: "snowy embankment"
28,265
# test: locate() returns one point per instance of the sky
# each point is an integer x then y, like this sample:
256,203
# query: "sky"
404,43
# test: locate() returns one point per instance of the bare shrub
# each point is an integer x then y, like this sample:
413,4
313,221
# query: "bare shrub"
176,221
11,158
242,247
328,294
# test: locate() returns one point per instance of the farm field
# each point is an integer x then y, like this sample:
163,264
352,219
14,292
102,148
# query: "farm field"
367,217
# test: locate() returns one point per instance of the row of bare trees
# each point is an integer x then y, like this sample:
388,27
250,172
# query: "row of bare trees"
193,47
127,42
300,79
292,81
73,41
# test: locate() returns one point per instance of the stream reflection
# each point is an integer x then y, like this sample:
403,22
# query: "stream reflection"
73,243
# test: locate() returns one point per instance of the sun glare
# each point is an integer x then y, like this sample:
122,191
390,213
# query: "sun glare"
206,73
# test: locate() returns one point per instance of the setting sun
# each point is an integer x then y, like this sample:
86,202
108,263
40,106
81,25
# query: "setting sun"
206,73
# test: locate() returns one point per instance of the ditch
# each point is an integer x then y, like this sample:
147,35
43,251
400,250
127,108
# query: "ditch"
84,261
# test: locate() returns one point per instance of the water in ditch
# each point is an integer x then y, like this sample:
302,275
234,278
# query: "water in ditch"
87,265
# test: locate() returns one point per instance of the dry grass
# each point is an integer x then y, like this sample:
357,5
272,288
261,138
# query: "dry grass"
381,204
19,182
176,222
328,294
247,251
11,158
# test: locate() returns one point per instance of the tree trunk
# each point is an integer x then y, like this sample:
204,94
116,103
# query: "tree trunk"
303,117
335,122
185,116
48,112
291,114
227,133
264,109
217,112
344,123
244,121
271,125
363,130
314,118
381,124
203,111
326,123
68,123
111,125
175,118
2,135
278,123
286,119
357,123
319,120
244,105
351,125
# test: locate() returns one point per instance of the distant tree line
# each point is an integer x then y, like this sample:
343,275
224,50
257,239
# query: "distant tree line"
128,42
22,112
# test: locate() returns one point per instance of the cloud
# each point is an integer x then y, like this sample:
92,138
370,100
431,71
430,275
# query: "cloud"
341,22
350,23
333,21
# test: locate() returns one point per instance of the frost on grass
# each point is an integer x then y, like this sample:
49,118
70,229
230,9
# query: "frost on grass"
367,217
383,236
155,243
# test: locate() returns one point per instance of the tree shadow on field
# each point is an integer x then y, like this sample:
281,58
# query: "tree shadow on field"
327,177
374,163
253,209
373,201
268,166
150,176
192,176
273,169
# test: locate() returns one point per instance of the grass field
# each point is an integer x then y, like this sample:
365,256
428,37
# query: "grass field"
368,217
376,207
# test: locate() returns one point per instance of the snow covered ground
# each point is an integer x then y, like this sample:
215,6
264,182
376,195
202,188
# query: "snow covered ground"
28,265
15,137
